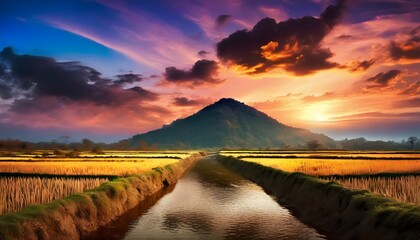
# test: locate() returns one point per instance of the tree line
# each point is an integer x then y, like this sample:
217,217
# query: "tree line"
412,143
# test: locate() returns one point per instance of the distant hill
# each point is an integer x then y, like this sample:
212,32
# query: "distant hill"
232,124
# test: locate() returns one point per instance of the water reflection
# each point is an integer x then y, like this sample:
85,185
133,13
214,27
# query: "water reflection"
211,202
192,221
117,229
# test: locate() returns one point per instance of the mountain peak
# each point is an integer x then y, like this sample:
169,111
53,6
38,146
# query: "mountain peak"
228,123
228,101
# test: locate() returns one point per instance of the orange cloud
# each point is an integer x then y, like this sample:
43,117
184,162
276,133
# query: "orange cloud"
270,52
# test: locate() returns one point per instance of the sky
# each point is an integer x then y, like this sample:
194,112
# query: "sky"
106,70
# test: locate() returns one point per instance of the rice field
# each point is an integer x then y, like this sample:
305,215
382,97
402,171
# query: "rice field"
325,167
355,167
324,154
84,168
402,188
49,155
19,192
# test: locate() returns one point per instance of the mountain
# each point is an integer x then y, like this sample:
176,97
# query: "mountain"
228,123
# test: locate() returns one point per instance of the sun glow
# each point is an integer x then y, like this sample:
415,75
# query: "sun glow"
320,117
317,112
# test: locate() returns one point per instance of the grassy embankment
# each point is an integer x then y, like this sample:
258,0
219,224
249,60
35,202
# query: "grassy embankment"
335,210
44,176
77,215
386,176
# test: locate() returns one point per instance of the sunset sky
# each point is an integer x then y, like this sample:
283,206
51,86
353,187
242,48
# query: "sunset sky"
107,70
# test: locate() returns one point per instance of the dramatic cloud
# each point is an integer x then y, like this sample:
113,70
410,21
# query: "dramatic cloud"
383,79
5,92
294,45
222,19
69,81
203,72
408,49
44,93
185,102
282,41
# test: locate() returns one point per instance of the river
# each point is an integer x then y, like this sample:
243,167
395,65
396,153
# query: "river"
208,202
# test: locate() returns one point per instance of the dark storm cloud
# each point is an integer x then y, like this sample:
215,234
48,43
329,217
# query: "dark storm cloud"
2,70
43,77
333,13
383,79
293,45
409,49
203,71
5,92
222,19
185,102
128,78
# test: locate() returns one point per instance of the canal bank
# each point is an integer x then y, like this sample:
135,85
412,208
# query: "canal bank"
211,202
342,213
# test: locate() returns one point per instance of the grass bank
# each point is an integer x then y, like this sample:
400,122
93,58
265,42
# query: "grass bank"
75,216
338,212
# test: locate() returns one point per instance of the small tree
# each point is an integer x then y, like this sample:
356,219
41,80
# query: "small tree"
412,140
313,145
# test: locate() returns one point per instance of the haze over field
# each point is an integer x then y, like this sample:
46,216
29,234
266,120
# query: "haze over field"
108,70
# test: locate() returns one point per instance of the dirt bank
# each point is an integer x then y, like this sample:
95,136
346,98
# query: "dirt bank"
336,211
77,215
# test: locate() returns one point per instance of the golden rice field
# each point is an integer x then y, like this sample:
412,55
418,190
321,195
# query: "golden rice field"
326,163
121,163
323,154
18,192
402,188
49,155
84,168
325,167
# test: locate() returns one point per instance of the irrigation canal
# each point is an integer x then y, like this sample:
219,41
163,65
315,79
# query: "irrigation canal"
208,202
